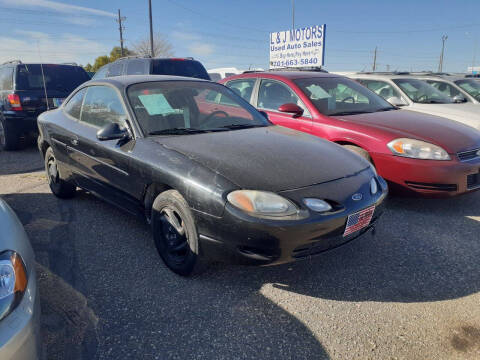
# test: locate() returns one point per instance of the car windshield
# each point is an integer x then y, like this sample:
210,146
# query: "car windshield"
64,78
179,67
421,92
188,107
341,96
472,87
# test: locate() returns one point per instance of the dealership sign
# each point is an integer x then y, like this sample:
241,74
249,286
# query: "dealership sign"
298,48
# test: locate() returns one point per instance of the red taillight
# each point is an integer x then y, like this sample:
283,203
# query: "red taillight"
14,101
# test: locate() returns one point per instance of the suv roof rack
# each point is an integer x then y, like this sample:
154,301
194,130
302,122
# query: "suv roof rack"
12,62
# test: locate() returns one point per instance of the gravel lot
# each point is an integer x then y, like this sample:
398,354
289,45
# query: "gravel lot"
409,292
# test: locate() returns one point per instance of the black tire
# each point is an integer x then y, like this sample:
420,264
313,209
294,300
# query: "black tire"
175,234
359,151
9,138
59,187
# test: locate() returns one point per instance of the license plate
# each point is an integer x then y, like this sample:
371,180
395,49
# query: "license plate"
57,102
359,220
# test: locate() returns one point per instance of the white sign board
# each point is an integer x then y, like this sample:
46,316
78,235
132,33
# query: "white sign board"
298,48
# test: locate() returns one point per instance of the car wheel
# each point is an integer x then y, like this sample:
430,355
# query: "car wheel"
59,187
9,139
175,234
359,151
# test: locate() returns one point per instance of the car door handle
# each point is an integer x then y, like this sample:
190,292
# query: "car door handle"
74,142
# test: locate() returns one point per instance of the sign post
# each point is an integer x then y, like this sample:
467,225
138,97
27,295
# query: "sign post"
304,47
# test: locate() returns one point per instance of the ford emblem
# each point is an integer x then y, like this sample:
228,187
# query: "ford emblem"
357,197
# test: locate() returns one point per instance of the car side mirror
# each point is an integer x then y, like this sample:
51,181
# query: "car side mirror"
112,131
291,108
459,99
396,101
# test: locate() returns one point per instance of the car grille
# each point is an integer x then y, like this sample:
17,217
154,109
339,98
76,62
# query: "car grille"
468,155
435,187
473,181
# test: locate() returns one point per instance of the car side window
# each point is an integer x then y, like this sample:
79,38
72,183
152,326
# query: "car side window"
272,94
243,87
101,73
74,106
445,88
6,78
102,106
136,67
381,88
116,69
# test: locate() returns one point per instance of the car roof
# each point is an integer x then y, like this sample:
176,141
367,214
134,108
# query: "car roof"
127,80
291,74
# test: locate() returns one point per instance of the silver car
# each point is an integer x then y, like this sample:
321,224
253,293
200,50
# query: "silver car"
19,299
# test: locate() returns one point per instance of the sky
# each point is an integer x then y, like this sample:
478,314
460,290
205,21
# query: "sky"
236,33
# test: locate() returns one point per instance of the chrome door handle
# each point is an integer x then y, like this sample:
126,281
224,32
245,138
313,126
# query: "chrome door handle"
74,142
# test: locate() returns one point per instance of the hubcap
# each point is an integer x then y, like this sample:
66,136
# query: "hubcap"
2,135
52,170
174,234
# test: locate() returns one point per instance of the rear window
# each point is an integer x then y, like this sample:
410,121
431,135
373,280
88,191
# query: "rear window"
179,67
57,77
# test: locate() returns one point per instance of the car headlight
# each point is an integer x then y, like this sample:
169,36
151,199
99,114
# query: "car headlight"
417,149
13,281
262,203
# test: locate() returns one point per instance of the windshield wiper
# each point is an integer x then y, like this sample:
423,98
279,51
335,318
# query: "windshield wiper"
350,113
241,126
177,131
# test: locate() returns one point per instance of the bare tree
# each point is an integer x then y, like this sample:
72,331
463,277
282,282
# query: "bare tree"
161,46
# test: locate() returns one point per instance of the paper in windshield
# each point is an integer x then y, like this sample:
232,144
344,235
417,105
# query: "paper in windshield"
156,104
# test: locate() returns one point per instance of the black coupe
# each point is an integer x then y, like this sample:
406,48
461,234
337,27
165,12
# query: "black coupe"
213,177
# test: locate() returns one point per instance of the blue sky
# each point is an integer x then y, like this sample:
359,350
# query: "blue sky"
236,33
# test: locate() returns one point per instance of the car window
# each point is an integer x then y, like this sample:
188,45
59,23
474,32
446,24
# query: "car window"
74,106
164,105
102,73
229,74
136,67
470,86
341,96
422,92
64,78
445,88
116,69
382,88
6,78
180,67
215,76
243,87
102,105
272,94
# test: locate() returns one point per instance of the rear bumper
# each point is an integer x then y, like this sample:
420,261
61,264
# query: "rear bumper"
20,330
241,239
430,177
21,123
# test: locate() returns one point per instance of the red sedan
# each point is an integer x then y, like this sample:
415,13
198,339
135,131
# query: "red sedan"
422,153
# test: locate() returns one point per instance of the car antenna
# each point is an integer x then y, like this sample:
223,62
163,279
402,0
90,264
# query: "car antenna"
43,77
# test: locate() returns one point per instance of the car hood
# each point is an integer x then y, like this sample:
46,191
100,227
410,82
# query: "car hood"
450,135
468,113
269,158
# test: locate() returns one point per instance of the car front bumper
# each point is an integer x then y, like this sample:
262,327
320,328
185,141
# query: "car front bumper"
242,239
430,177
20,330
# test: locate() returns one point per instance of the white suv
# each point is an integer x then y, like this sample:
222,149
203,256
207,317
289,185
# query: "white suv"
407,91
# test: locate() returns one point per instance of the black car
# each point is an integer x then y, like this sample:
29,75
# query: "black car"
135,65
27,90
215,178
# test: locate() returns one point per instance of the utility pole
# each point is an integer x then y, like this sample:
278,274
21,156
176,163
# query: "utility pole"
121,28
375,59
474,55
440,64
293,14
152,54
